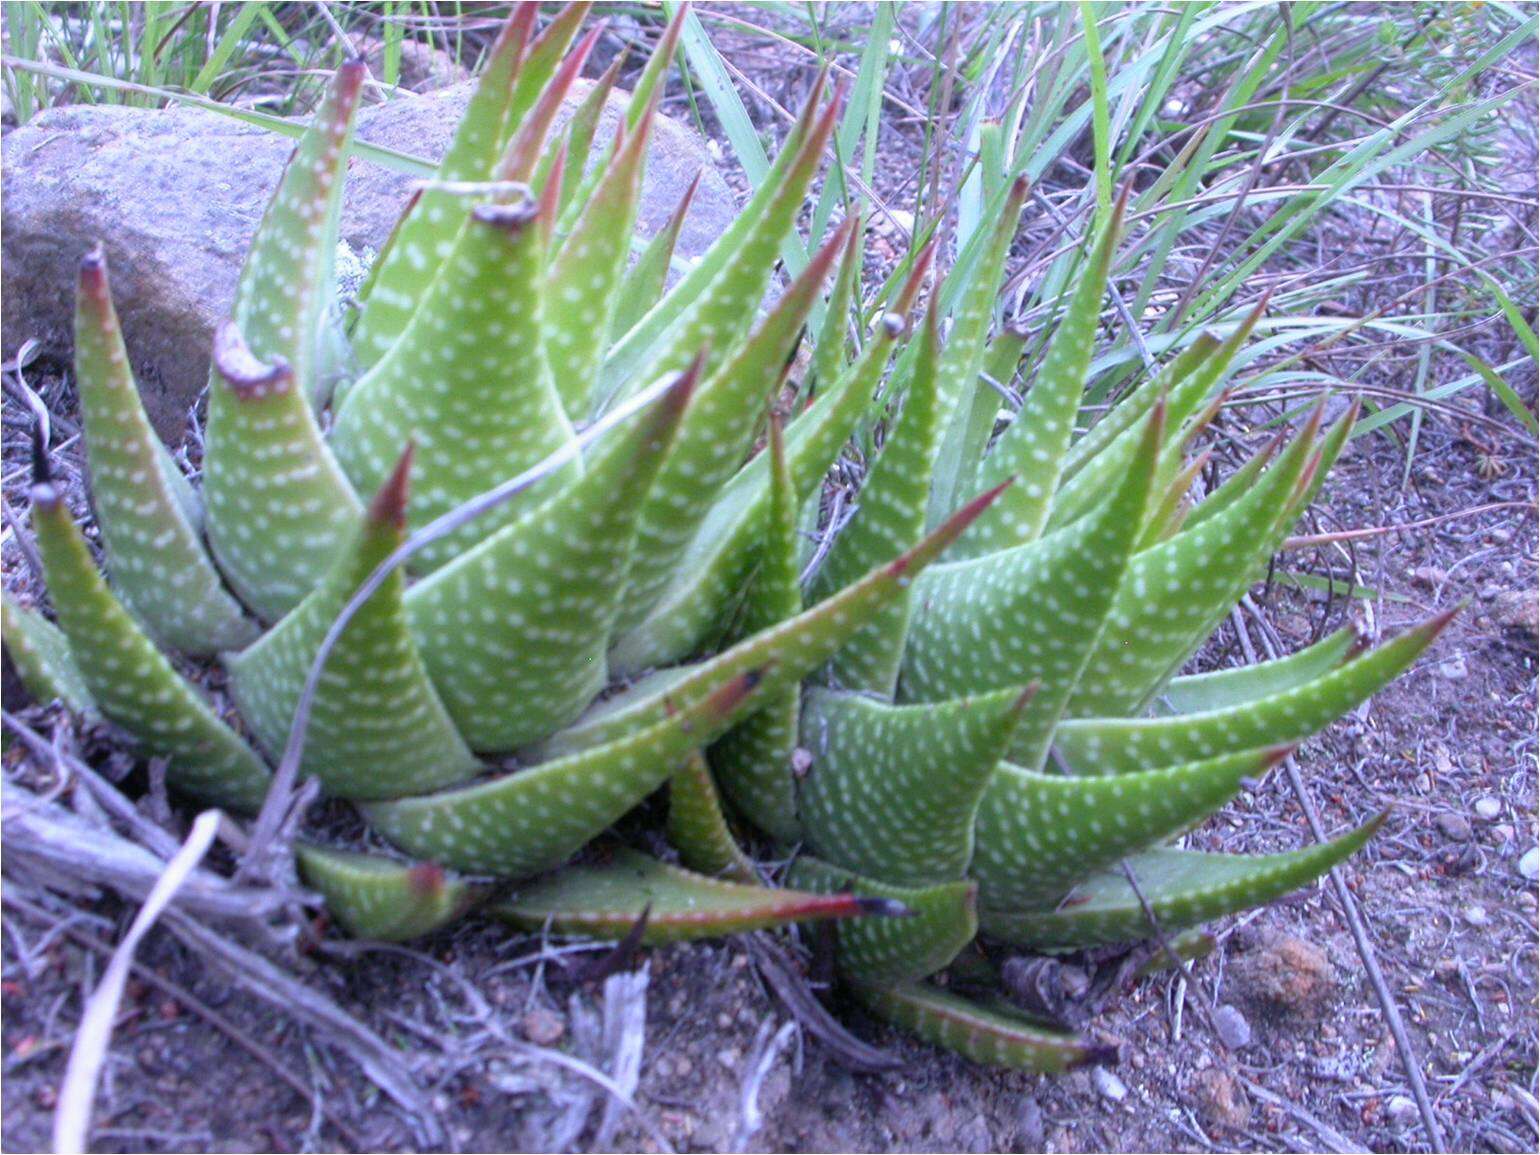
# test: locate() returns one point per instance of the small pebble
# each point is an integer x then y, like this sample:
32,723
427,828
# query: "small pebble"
1487,808
1234,1031
1529,865
1108,1085
1500,536
543,1027
1475,914
1454,827
1400,1112
1429,576
1489,591
1454,669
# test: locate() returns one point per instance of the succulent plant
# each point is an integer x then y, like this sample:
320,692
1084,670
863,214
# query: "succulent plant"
965,704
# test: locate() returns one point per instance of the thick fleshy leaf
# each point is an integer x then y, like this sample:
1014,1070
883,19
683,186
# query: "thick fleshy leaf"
468,382
153,552
533,820
272,487
1029,614
642,285
287,281
1219,689
696,604
521,156
606,901
1039,834
754,760
584,276
997,1035
377,727
1182,887
729,272
787,653
381,898
43,660
1122,745
831,350
1087,488
959,389
132,683
893,790
1032,447
717,435
889,518
425,236
1173,595
698,828
943,920
581,177
513,632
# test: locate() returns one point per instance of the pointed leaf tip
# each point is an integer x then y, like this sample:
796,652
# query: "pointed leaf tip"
389,504
247,375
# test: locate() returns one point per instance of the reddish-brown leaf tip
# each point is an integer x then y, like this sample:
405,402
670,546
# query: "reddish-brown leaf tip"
389,504
426,879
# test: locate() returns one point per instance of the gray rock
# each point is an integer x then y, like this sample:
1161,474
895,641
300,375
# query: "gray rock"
1453,826
1231,1026
176,194
1488,808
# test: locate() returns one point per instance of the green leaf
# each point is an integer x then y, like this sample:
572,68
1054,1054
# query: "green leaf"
607,901
1038,834
584,276
723,261
1172,595
132,683
787,653
698,828
1032,447
893,790
468,382
380,898
271,484
43,660
996,1035
962,360
717,434
1182,887
286,282
1035,613
942,920
153,551
513,632
533,820
754,760
698,600
377,727
889,518
1220,689
424,237
1290,714
642,285
717,318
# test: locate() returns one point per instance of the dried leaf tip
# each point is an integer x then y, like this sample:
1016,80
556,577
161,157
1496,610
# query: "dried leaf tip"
510,218
389,504
884,907
247,376
93,271
426,879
